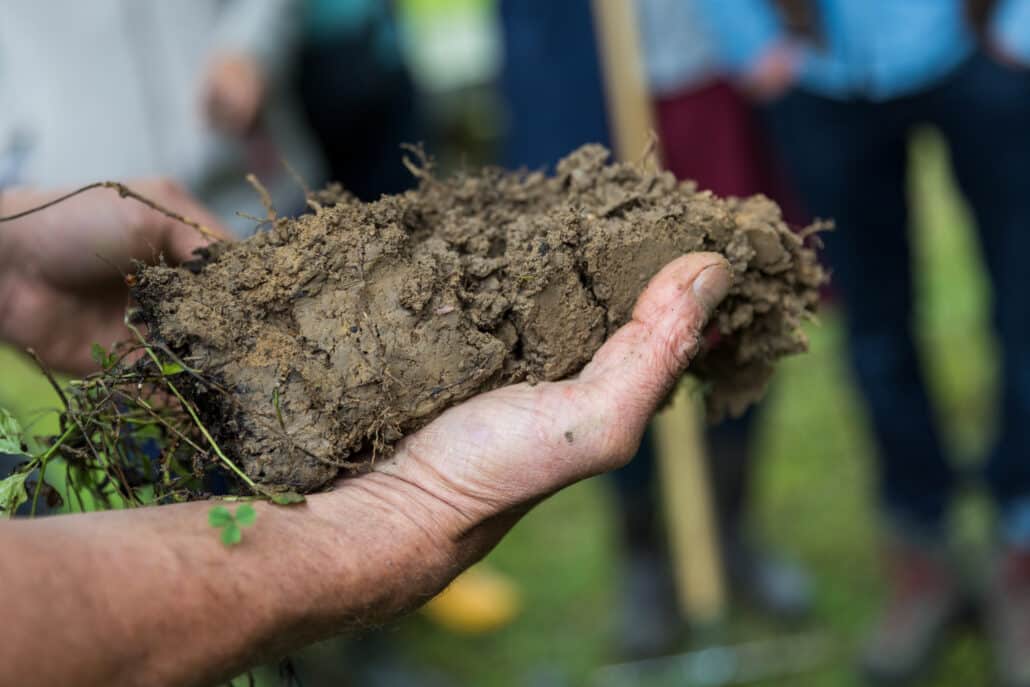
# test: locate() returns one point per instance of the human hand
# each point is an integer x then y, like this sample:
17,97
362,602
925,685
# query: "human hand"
363,553
998,51
773,73
62,269
468,476
234,91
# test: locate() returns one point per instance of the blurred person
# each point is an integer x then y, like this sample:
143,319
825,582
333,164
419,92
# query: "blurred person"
151,596
552,85
358,94
845,83
120,89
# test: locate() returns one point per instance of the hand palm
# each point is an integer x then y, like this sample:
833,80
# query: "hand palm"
504,450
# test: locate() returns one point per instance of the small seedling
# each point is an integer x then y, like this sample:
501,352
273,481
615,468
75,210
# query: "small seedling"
102,357
231,525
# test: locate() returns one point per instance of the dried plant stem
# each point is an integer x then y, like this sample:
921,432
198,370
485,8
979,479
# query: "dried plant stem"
193,415
125,192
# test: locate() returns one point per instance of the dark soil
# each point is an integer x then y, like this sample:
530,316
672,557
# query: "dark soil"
339,332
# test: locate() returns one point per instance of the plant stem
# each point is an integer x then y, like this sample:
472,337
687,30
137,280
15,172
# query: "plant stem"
125,192
207,435
43,459
189,409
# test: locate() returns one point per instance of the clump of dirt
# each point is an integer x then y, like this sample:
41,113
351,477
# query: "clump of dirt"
341,331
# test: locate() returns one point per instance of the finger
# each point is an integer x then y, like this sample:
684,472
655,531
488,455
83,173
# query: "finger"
638,366
182,240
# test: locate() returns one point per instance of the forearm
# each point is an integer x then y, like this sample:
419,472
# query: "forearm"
152,597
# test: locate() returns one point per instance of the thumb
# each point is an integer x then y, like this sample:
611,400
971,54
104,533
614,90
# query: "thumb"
640,363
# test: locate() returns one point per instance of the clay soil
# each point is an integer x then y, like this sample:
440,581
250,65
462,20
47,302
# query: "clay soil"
339,332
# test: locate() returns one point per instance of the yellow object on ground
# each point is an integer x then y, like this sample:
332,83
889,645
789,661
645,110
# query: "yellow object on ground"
480,600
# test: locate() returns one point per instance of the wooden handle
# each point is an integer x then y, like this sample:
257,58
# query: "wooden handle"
693,531
692,527
625,81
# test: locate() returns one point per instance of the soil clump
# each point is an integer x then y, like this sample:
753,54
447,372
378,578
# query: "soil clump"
337,333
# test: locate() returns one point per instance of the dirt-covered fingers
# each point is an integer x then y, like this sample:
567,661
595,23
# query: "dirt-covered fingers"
637,367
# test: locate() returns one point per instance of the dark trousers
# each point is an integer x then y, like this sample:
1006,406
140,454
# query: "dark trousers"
550,80
848,161
360,112
729,462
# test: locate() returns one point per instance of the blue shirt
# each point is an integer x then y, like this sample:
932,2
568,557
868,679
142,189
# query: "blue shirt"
679,51
876,49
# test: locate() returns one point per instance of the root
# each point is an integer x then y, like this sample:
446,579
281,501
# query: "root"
266,197
125,192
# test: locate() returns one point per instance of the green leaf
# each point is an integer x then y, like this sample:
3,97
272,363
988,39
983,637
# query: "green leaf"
10,435
245,515
147,432
99,355
219,516
286,498
13,493
232,535
169,369
102,357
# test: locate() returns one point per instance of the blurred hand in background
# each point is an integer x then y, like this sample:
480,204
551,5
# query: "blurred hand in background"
62,270
234,92
773,73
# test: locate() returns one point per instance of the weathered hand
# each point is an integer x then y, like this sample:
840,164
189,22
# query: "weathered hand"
468,475
62,270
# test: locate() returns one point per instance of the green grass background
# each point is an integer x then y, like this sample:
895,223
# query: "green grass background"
814,493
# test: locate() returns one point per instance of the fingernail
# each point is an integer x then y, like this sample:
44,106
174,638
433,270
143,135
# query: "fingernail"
712,284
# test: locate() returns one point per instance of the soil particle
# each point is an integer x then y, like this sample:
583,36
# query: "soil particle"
341,331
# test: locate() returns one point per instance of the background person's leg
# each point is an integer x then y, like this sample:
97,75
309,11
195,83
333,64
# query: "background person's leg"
770,580
649,622
985,115
848,162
